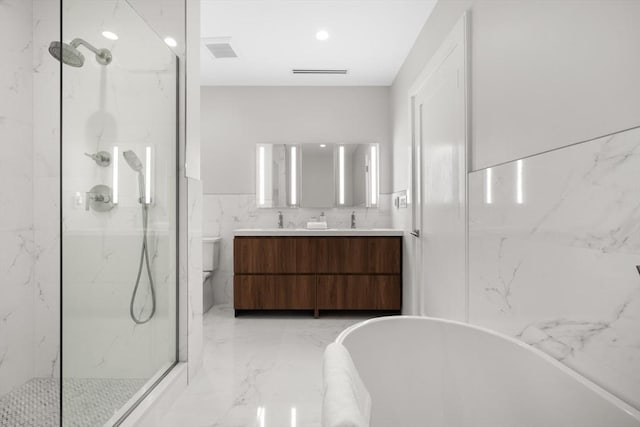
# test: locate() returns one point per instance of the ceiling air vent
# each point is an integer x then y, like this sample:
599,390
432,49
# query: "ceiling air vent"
220,47
304,71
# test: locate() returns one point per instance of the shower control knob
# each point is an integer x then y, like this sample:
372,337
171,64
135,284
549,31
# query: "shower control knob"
99,198
102,158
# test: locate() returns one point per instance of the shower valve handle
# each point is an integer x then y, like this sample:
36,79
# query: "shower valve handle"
102,158
96,198
99,198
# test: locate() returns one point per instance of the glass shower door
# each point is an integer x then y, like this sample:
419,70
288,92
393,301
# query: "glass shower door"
119,209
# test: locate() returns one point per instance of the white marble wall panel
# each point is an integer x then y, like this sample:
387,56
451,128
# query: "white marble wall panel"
16,195
223,213
195,308
552,257
46,188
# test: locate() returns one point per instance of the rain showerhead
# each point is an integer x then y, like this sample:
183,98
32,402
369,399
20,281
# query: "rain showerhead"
70,55
133,160
67,54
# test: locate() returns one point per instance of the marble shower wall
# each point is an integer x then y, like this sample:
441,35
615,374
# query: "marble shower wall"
554,241
46,188
223,213
16,195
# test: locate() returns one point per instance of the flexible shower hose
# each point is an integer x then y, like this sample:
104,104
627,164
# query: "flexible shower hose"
144,260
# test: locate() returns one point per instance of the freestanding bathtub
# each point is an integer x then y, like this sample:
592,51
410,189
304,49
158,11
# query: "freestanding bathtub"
431,372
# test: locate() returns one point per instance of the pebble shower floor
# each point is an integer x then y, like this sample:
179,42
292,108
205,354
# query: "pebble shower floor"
88,402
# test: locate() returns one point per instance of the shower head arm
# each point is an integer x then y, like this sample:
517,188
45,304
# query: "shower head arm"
102,55
81,42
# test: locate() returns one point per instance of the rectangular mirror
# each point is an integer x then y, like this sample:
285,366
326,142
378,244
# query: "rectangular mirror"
317,168
357,175
317,175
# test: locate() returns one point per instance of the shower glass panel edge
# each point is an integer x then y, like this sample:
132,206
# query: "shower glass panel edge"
119,210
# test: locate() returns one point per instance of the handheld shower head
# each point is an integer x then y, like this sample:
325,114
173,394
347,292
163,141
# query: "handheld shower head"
133,160
134,163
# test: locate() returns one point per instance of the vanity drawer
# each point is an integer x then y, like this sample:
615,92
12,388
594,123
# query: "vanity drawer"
359,292
359,255
273,255
275,292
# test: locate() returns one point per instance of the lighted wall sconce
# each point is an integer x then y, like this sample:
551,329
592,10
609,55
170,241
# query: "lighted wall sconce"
116,171
374,175
488,186
519,185
261,177
147,178
294,176
341,175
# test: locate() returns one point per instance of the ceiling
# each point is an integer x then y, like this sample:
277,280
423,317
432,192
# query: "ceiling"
370,38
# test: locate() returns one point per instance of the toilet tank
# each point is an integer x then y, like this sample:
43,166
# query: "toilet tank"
210,253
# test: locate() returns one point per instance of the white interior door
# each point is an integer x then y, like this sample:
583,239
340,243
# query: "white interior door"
440,214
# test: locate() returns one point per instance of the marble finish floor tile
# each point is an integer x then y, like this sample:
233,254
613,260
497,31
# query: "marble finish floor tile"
259,370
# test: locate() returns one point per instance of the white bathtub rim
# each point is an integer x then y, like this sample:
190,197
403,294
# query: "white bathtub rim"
608,396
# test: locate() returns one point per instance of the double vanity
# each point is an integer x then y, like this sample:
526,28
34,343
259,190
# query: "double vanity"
332,269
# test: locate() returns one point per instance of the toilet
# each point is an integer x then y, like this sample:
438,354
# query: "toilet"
210,256
210,263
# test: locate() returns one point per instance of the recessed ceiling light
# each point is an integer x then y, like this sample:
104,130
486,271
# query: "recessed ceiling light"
170,41
109,35
323,145
322,35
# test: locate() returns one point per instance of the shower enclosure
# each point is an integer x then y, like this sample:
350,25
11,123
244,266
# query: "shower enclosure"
119,210
88,210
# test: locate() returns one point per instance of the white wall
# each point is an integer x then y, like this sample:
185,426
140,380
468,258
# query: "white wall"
543,75
548,74
235,119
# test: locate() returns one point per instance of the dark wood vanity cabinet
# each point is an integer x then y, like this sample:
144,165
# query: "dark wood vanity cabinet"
317,273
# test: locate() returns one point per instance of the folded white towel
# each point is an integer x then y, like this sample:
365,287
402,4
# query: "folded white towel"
317,225
346,401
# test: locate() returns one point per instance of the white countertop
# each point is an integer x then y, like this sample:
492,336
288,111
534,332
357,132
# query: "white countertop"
327,232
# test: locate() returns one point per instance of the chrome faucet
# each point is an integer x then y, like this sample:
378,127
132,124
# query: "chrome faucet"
353,219
280,220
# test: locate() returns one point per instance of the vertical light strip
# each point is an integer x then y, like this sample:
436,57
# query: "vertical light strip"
147,178
341,174
488,186
294,175
374,175
519,188
261,175
116,160
294,417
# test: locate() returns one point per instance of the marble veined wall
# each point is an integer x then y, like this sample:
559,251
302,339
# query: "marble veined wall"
223,213
29,220
554,241
16,195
